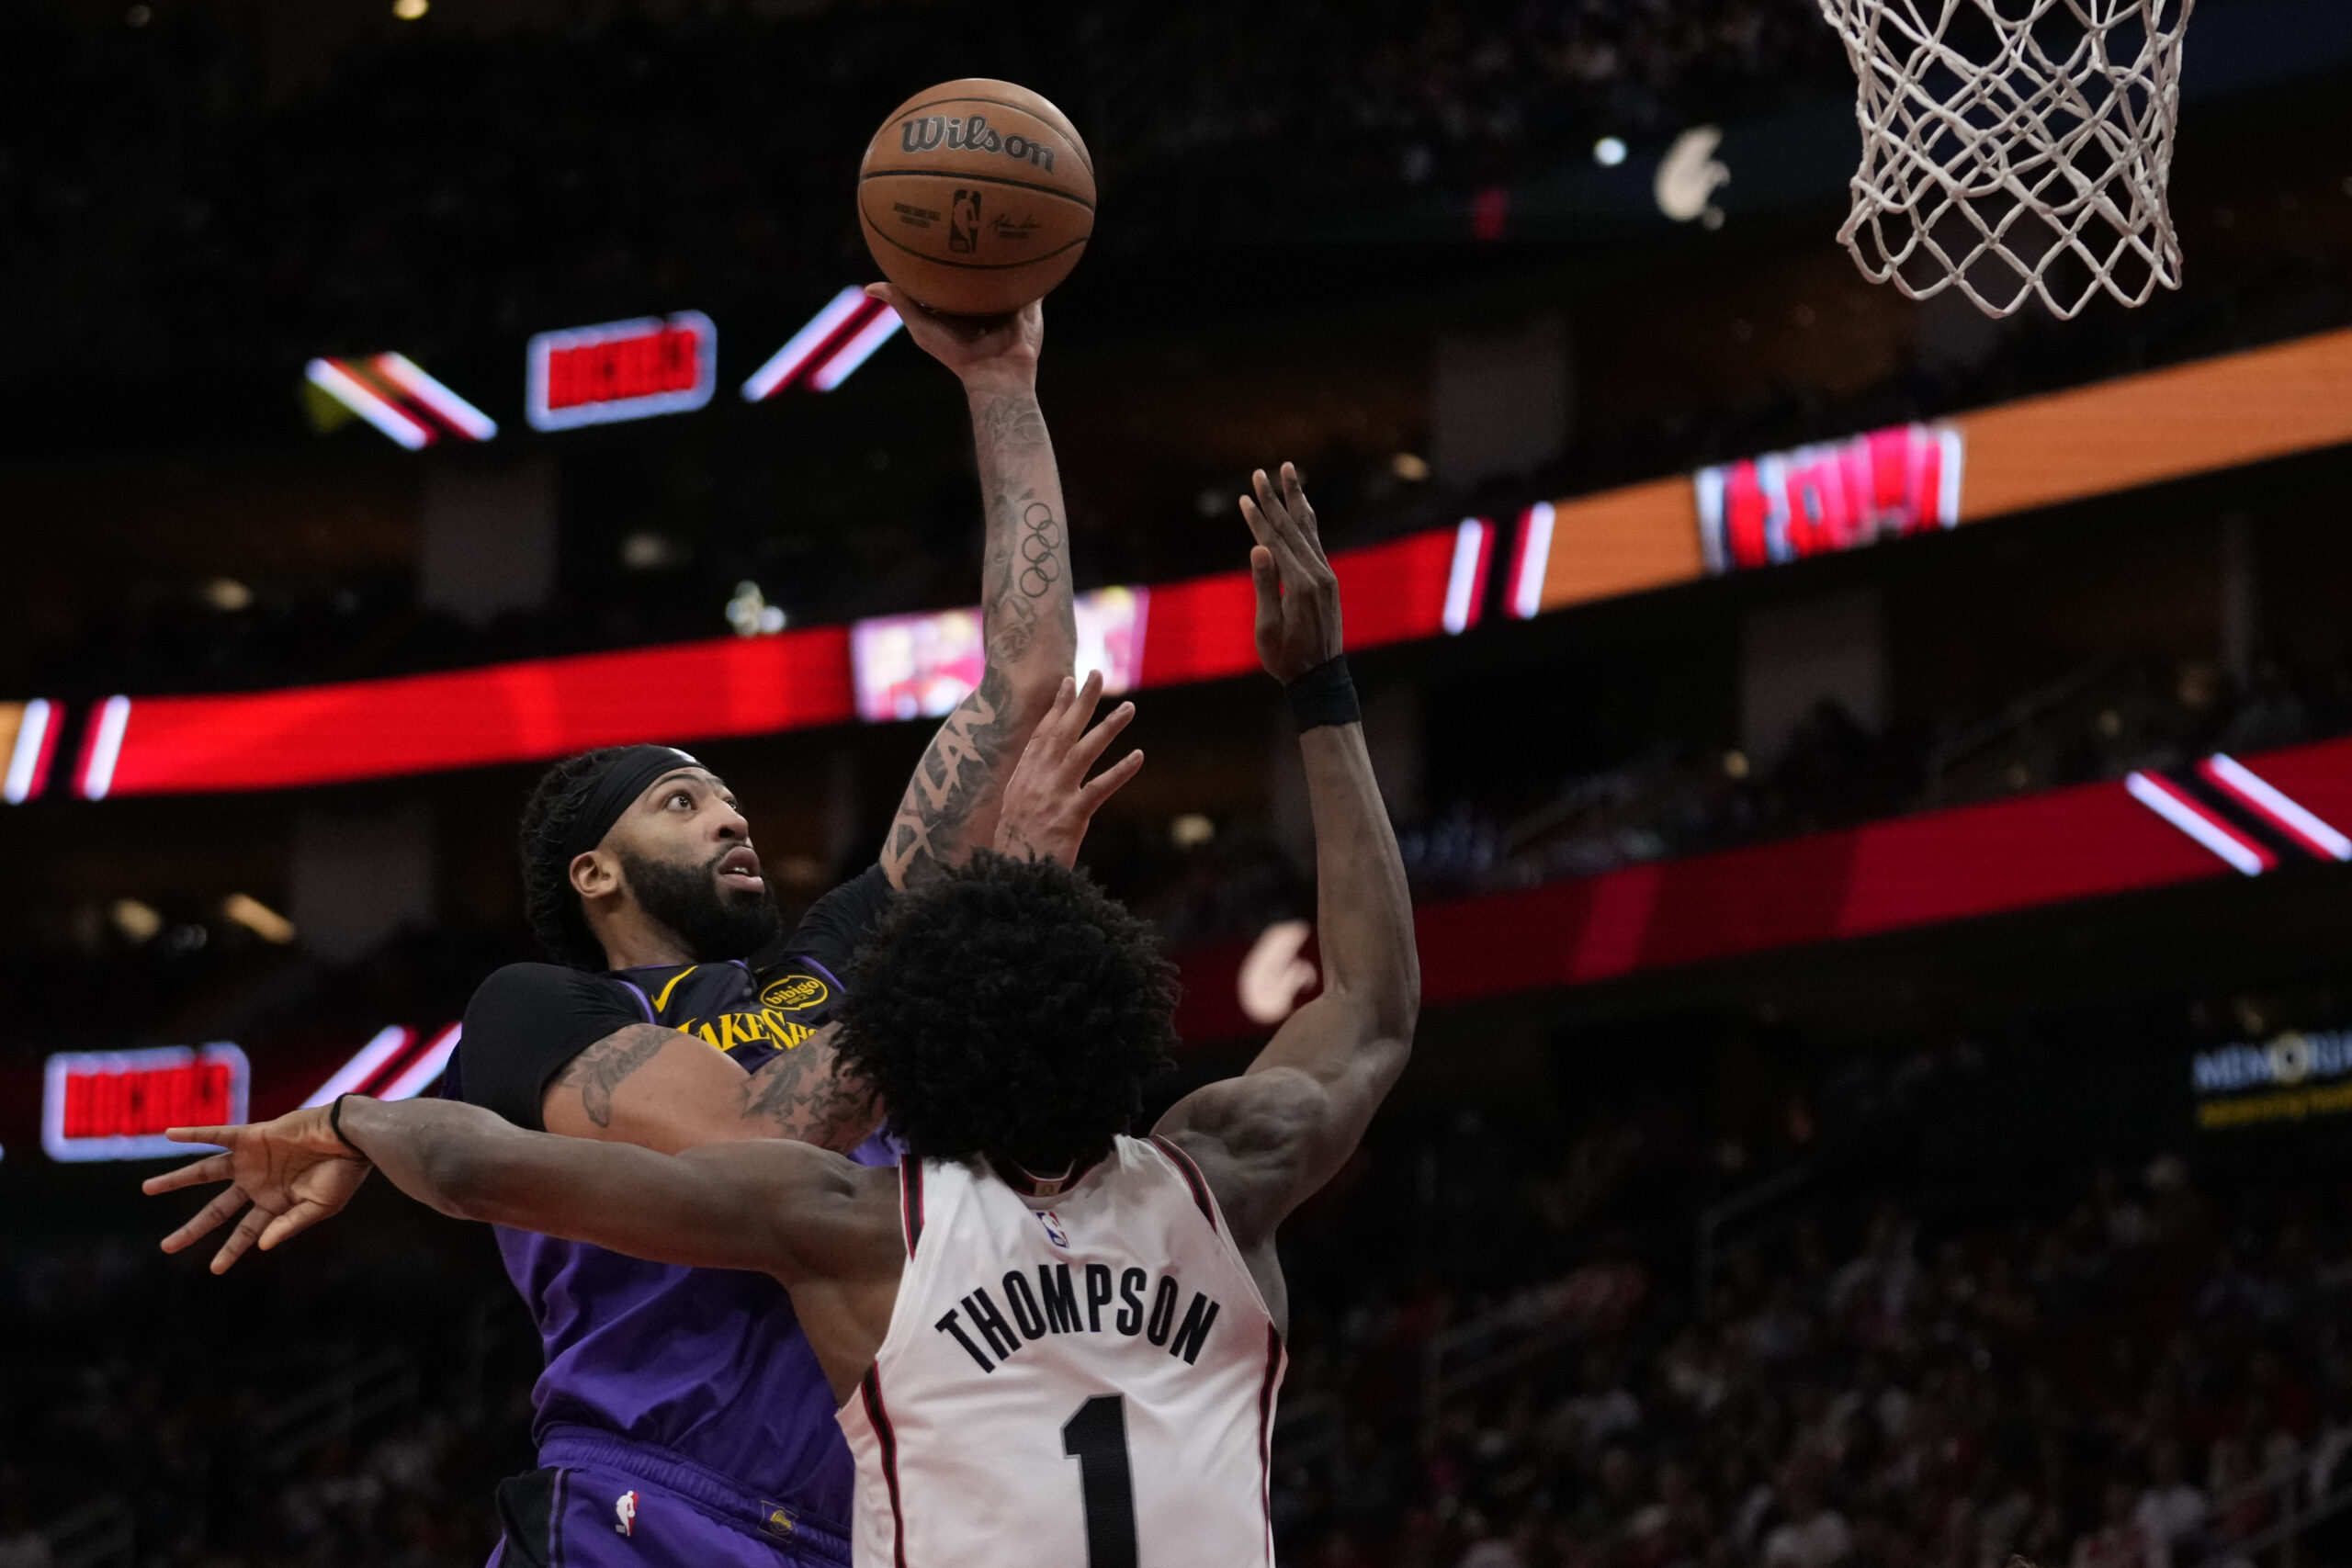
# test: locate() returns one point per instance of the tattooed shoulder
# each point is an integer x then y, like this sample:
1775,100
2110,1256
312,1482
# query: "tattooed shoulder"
805,1094
600,1069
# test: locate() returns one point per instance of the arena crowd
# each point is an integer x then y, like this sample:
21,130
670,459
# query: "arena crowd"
2143,1371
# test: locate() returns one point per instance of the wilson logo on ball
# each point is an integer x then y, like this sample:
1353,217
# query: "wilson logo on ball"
927,133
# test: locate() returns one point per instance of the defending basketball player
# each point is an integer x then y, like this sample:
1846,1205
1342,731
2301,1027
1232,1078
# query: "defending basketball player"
1054,1345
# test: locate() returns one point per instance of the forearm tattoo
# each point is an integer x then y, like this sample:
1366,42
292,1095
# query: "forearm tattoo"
803,1094
603,1067
1009,424
1025,594
1025,582
1041,542
956,773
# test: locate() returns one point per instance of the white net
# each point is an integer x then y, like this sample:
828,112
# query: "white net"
2015,149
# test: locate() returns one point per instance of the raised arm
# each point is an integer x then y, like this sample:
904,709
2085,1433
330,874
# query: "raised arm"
648,1085
1271,1137
1029,634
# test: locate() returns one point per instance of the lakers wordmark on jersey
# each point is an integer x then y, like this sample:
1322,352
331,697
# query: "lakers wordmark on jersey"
1079,1380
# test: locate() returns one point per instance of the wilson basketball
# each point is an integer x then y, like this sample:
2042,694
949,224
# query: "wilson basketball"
977,197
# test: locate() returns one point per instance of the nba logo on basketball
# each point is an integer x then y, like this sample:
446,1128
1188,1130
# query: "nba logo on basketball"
964,221
624,1513
1053,1228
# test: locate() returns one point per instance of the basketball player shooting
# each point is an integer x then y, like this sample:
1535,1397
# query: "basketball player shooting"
1053,1344
680,1421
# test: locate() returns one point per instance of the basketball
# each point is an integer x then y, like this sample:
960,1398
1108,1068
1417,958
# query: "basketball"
977,197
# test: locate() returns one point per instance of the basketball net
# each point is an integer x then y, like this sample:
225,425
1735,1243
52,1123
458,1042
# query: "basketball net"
2015,149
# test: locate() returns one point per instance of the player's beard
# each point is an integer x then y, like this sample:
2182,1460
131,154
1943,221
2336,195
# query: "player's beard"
714,922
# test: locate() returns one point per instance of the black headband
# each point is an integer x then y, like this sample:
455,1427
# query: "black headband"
616,790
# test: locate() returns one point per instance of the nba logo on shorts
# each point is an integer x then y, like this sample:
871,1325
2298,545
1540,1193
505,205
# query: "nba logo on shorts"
1053,1228
624,1511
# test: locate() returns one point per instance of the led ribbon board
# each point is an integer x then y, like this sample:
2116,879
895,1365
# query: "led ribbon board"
920,666
1836,495
115,1104
1963,863
635,369
1422,585
521,712
2203,417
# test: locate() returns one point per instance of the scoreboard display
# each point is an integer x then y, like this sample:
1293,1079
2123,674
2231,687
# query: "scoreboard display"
115,1104
621,370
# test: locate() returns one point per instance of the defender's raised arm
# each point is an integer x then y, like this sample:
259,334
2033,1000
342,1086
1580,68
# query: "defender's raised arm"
1267,1139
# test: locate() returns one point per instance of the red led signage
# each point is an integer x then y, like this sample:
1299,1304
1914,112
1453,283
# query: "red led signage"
621,370
502,713
2084,843
116,1104
1198,630
1414,587
1784,506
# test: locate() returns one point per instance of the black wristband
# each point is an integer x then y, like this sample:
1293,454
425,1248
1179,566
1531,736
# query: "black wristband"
1325,695
335,1123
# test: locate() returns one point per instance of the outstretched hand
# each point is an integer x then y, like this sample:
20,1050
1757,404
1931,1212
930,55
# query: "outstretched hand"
293,1172
972,346
1050,801
1298,597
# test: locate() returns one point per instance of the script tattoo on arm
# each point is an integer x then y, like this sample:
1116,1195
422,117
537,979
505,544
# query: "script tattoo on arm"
803,1094
603,1067
1029,635
956,772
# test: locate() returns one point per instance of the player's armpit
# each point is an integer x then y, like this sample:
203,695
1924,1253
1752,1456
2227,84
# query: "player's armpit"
665,1091
1269,1140
1256,1139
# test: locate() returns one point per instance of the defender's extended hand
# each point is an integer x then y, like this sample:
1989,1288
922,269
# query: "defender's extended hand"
294,1171
1298,597
972,346
1048,801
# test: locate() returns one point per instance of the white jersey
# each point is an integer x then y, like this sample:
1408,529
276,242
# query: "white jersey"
1084,1380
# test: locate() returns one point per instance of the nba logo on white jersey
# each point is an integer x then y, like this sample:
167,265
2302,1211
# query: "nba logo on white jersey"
1090,1385
624,1511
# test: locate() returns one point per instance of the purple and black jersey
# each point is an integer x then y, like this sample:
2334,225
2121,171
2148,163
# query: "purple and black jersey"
706,1364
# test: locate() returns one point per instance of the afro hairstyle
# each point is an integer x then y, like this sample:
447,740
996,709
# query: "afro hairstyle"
549,901
1011,1010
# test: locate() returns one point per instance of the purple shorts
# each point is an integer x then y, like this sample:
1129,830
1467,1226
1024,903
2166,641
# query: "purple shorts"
604,1502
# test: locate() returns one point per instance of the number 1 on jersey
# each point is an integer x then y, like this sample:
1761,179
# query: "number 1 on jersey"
1097,1437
